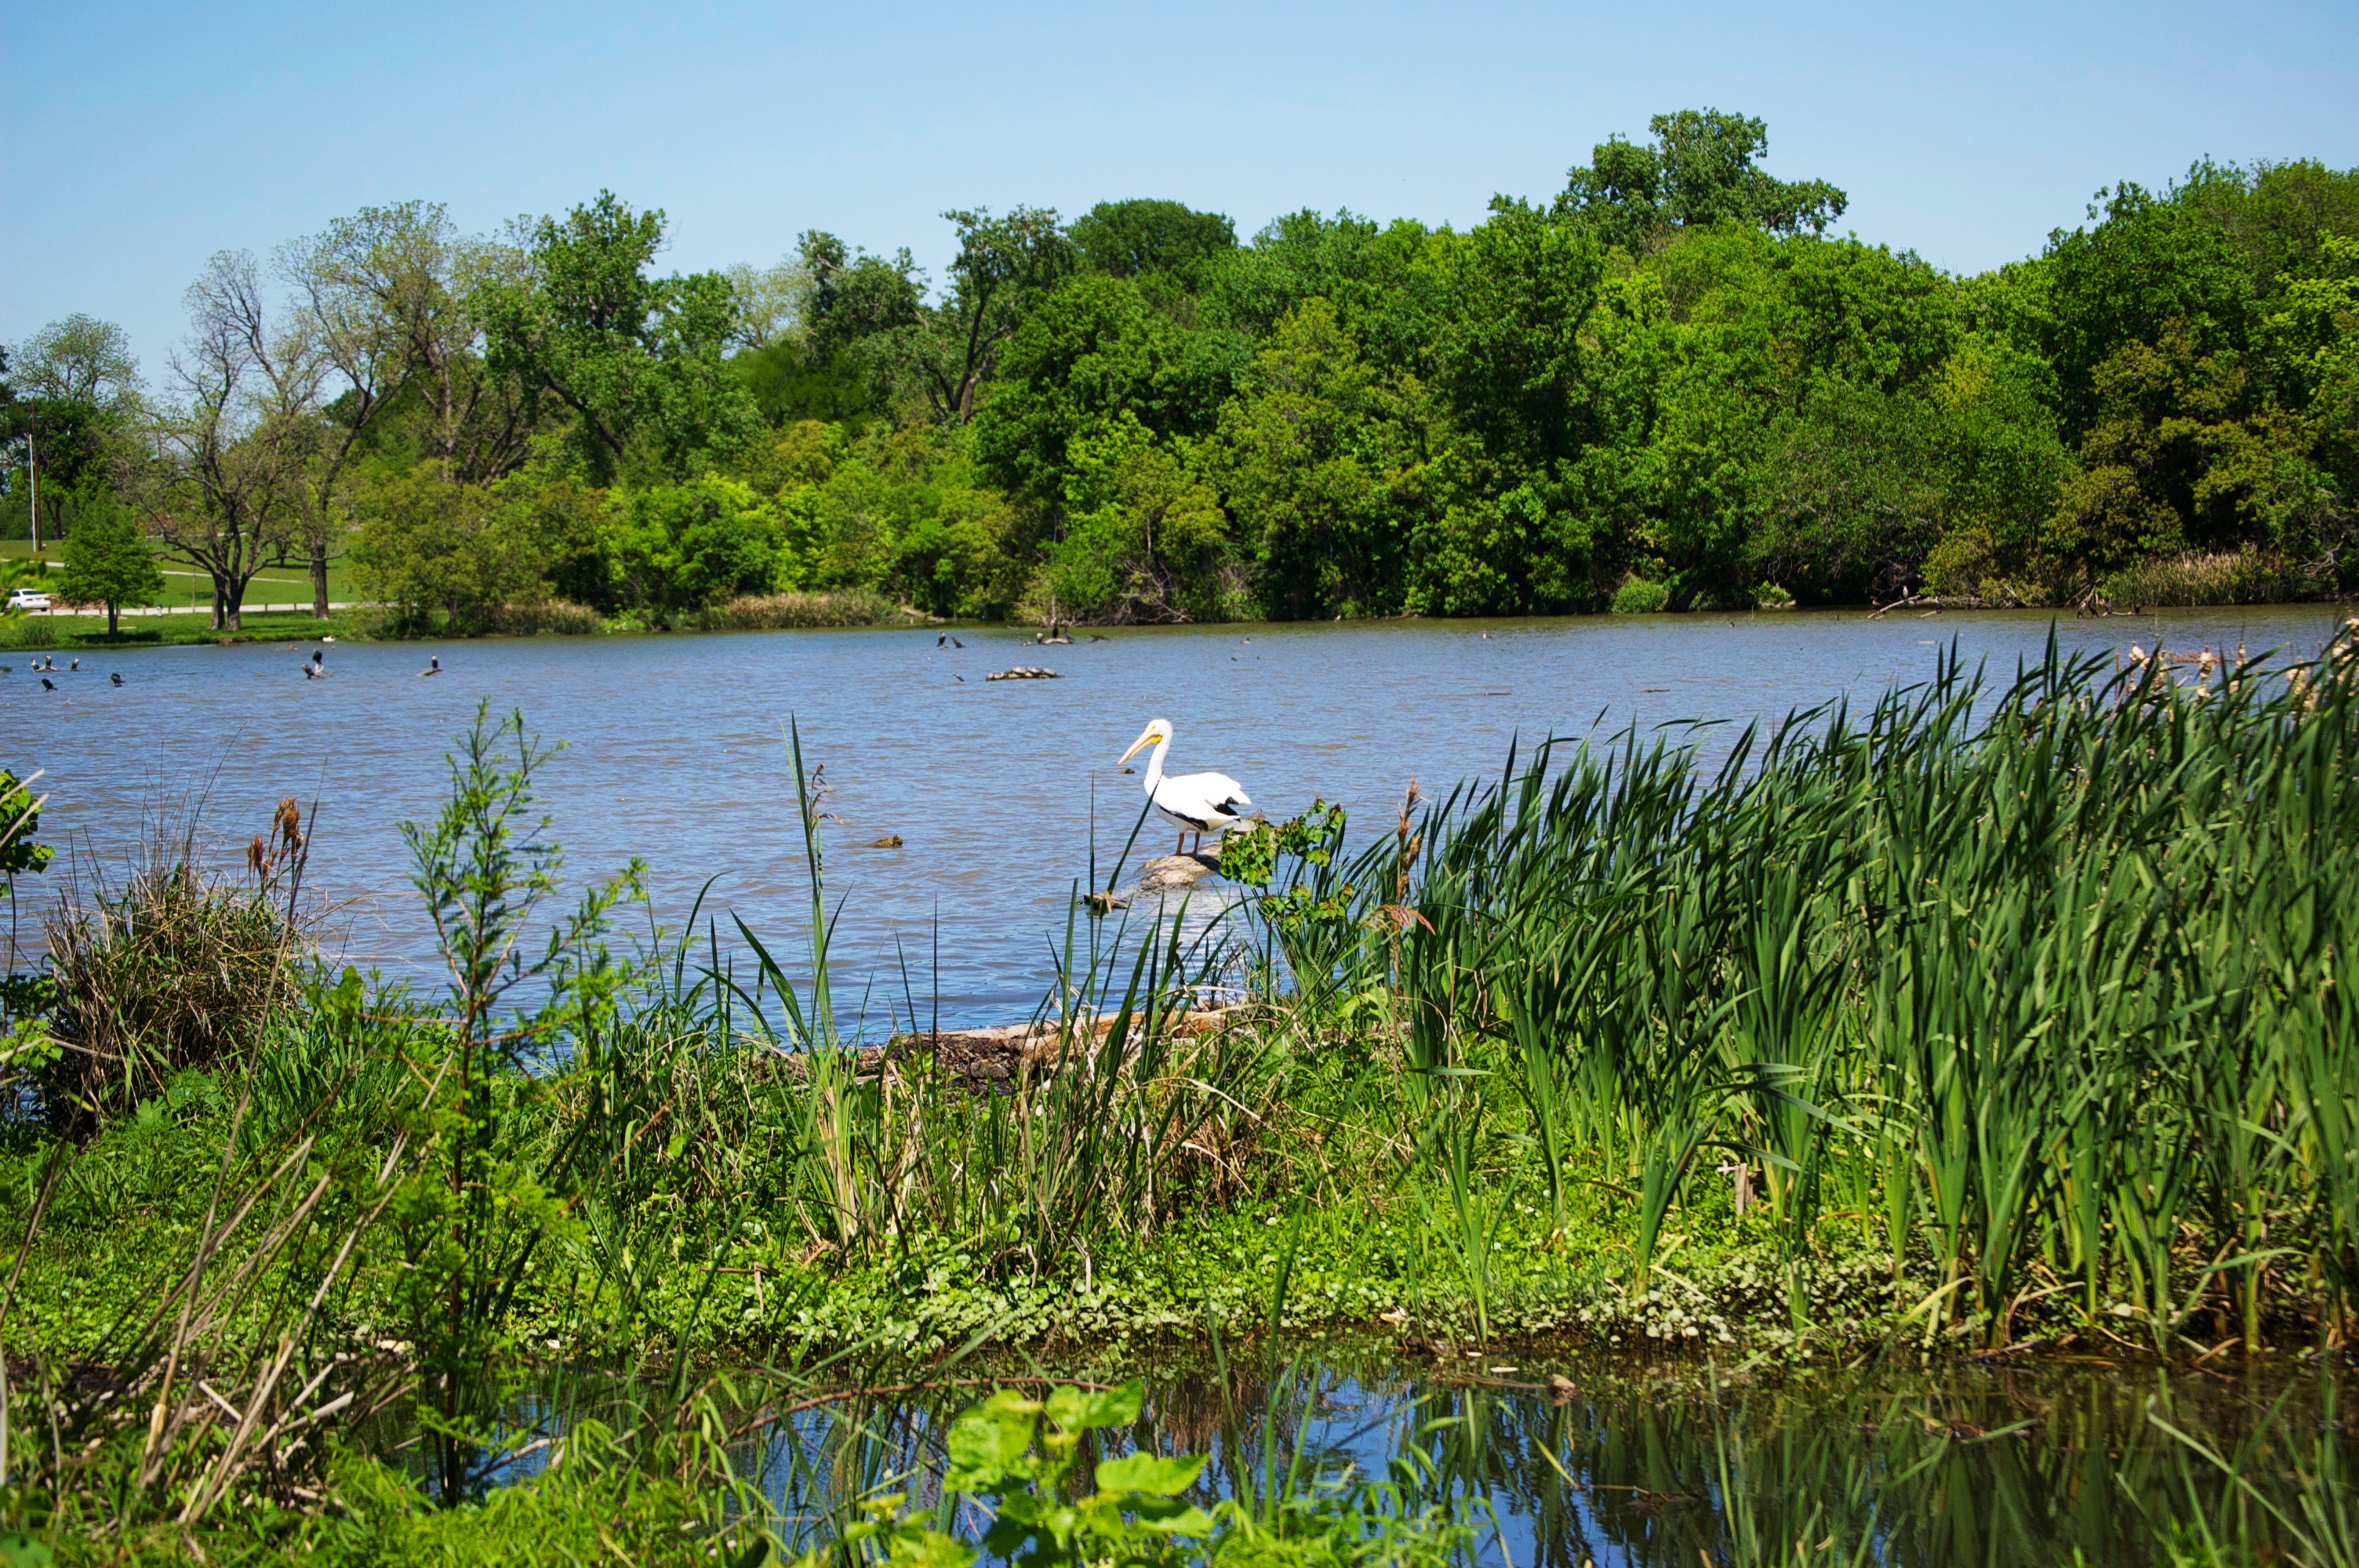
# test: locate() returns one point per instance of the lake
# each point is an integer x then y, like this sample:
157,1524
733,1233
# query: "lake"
998,789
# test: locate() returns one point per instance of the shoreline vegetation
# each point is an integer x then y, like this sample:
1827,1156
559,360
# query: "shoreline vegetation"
2192,582
363,623
1990,1019
1673,385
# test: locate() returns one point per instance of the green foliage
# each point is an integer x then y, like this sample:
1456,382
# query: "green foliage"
22,996
468,1233
1641,596
460,559
1699,172
1022,1455
1669,372
1133,239
683,546
637,361
108,561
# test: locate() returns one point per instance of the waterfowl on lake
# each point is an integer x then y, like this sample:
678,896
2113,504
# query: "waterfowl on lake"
1197,803
48,684
115,675
433,665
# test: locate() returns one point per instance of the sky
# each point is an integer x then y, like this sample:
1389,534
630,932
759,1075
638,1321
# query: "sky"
136,139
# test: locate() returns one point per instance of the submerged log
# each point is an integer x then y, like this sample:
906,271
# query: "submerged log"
1005,1056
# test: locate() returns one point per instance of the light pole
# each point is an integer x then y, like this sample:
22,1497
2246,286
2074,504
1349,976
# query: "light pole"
33,473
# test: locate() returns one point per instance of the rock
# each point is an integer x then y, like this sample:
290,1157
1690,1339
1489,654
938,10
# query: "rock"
1159,875
1176,871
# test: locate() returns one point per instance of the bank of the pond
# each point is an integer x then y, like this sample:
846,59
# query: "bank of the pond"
88,634
2044,989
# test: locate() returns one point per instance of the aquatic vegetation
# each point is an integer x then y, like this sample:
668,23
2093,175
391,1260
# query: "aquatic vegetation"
2004,1014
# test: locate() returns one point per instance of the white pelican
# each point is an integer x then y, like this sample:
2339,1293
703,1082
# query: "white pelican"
1198,803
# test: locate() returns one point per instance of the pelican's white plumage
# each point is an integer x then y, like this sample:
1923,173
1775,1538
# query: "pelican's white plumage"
1194,803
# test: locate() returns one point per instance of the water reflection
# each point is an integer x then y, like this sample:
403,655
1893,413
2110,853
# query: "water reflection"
1003,793
1669,1465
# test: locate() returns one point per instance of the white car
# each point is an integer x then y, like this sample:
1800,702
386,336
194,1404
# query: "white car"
28,598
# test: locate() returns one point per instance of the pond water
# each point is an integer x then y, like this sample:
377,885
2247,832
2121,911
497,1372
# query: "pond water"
997,789
1638,1464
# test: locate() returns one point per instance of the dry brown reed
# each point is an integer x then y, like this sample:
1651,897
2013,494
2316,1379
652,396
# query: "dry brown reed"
780,612
2205,577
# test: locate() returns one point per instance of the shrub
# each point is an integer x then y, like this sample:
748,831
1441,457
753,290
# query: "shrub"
180,967
1638,596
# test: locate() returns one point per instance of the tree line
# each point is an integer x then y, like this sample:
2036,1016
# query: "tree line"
1668,385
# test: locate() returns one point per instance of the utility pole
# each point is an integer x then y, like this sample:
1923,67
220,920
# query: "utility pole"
33,472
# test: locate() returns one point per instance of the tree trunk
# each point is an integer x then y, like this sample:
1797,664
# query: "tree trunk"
114,621
320,579
220,601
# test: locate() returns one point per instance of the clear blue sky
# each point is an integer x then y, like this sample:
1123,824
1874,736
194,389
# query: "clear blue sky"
136,139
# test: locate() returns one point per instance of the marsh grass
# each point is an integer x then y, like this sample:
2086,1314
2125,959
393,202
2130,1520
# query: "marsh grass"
2037,993
780,612
178,966
2226,577
2051,975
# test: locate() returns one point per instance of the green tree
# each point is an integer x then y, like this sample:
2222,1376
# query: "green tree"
1319,463
1146,538
1135,238
1699,172
1004,268
2148,264
453,557
108,562
684,547
638,361
1095,350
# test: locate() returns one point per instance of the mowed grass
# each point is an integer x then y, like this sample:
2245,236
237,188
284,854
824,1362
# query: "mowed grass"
186,586
79,632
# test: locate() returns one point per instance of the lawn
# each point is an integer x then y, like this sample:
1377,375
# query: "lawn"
187,586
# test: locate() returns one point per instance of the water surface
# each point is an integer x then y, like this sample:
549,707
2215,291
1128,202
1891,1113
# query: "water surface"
997,789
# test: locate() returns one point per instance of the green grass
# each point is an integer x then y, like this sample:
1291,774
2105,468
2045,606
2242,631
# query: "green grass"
1972,991
185,585
81,632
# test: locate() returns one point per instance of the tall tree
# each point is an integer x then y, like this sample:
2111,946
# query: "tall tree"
1699,171
637,360
345,354
1133,239
229,491
1004,266
78,385
108,562
433,287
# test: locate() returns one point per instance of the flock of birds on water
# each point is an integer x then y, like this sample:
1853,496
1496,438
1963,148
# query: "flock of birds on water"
1195,803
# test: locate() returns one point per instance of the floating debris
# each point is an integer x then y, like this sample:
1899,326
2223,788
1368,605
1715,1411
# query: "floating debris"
1024,672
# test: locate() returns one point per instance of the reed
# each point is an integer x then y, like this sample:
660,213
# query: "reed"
2052,974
